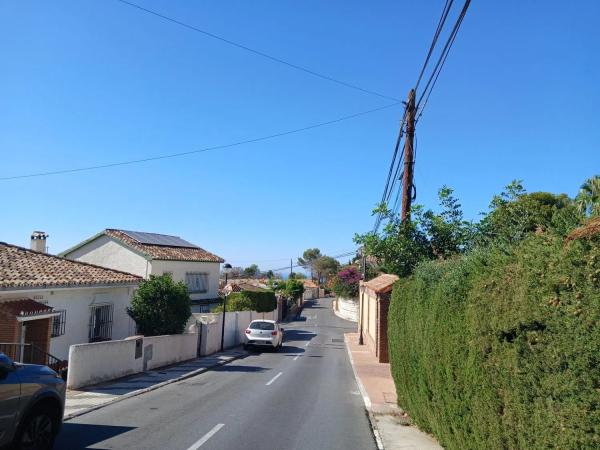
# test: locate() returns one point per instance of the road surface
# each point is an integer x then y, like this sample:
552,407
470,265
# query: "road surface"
303,397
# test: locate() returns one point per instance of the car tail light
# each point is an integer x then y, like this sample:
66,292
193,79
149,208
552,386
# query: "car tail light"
273,333
247,331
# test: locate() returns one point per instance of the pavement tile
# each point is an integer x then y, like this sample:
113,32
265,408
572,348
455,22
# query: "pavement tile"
379,393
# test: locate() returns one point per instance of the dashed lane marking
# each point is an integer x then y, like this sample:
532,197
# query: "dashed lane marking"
200,442
274,378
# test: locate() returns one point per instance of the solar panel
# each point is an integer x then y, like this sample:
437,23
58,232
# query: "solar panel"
158,239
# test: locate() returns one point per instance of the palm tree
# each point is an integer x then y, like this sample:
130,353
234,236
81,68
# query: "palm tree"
588,198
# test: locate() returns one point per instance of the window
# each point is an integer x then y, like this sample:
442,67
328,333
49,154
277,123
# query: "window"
58,323
101,318
262,326
196,282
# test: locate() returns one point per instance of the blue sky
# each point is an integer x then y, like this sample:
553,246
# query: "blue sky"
89,82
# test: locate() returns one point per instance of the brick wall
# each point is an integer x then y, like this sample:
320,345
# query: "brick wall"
8,328
382,327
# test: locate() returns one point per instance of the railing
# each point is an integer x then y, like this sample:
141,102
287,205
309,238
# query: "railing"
31,354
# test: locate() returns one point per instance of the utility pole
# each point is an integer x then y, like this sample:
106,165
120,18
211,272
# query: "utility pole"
409,157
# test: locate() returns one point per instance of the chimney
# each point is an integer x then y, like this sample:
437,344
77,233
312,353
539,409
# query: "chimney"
38,241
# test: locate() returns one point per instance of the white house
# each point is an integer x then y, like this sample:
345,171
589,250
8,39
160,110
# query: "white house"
52,302
146,254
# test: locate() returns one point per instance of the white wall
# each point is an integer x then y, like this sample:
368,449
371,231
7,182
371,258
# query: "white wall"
347,308
180,268
77,302
102,361
107,252
235,326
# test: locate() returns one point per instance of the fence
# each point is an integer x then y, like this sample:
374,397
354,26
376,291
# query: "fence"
30,354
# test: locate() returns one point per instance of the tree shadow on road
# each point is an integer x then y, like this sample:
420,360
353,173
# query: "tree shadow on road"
75,436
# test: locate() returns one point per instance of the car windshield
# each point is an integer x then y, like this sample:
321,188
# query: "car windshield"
262,326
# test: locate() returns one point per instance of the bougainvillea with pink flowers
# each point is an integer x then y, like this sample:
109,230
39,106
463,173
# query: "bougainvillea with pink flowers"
346,282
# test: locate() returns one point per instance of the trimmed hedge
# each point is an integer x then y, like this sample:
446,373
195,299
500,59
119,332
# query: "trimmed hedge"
263,301
502,351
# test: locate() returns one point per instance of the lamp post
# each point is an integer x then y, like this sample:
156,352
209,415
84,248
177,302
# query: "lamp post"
226,270
361,298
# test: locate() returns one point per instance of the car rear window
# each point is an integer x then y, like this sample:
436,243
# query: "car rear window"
262,326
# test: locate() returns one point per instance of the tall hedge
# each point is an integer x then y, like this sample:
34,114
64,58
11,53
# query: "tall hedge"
499,350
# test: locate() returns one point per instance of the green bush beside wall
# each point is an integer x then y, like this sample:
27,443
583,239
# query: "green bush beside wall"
502,351
259,301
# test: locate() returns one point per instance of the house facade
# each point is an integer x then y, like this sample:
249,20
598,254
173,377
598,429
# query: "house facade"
50,303
146,254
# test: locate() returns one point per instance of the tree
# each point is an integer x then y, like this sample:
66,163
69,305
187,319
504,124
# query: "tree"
160,306
326,267
270,274
515,213
402,245
588,198
308,259
251,271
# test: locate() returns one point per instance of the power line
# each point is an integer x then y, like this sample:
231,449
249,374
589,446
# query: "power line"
349,253
256,52
442,59
201,150
436,35
431,82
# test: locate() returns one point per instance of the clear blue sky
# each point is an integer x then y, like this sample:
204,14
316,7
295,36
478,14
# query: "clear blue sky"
91,82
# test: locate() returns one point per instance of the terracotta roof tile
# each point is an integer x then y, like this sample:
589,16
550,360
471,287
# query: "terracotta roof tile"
165,252
381,284
23,268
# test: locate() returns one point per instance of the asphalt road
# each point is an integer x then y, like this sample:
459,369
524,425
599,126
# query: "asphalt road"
303,397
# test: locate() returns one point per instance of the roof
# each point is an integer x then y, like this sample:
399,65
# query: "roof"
155,246
24,307
381,284
237,286
23,268
309,284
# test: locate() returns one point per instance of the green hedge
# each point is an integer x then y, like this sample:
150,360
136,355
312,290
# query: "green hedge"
263,301
502,351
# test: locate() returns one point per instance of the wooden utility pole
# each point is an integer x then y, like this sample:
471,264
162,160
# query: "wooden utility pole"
409,161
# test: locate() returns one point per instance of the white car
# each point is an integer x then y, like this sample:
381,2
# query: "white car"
264,333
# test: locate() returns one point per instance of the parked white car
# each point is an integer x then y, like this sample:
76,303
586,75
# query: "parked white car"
264,333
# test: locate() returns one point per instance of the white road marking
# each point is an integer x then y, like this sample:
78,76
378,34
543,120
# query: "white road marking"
274,378
297,356
306,345
199,443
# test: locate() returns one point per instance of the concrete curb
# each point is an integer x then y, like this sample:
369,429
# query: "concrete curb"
148,389
366,400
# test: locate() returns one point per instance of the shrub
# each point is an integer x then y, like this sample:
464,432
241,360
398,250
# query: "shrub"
160,306
236,301
501,349
346,282
259,301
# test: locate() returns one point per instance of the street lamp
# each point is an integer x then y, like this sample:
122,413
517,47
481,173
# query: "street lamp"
226,270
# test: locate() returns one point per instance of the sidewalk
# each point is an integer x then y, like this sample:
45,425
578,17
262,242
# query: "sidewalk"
390,423
88,399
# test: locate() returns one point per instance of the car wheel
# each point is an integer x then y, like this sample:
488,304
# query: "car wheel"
38,430
246,347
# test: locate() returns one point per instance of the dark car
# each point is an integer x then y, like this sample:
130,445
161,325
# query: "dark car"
32,401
